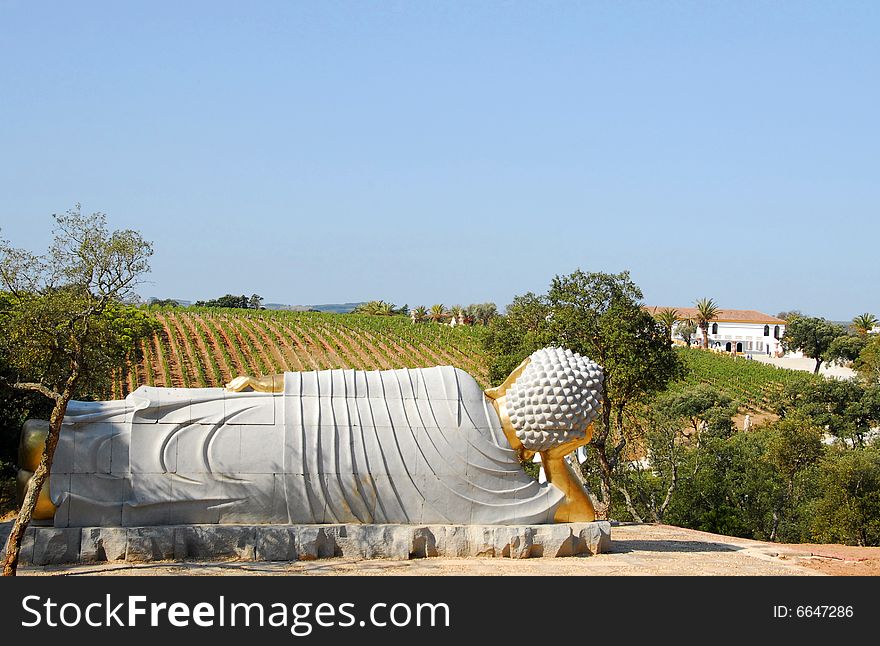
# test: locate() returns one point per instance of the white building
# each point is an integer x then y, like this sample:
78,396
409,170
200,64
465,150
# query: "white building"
740,331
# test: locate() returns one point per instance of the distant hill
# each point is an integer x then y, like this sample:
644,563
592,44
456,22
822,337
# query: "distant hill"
179,301
283,307
335,308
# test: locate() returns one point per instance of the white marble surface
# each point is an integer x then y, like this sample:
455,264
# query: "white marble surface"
338,446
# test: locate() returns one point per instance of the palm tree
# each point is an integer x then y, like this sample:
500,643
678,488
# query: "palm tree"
668,318
437,313
706,311
386,309
481,313
864,323
378,308
419,314
367,308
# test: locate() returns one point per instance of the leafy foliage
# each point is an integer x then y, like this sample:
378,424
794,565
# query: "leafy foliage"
868,362
847,409
864,323
513,337
243,302
599,316
707,310
63,327
846,348
686,330
846,508
437,313
668,317
380,308
812,336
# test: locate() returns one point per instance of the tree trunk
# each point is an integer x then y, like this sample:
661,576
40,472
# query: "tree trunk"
818,363
629,504
603,509
775,526
13,546
777,512
705,329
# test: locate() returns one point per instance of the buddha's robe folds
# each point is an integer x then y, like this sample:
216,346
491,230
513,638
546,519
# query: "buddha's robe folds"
413,446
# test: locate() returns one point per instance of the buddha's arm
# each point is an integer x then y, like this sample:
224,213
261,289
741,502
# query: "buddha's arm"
577,508
262,384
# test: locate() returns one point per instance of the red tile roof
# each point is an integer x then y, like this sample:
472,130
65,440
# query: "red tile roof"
723,316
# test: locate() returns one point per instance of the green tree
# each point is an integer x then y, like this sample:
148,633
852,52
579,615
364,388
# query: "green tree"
864,323
707,310
847,506
255,302
845,349
599,316
419,314
647,486
686,331
380,308
437,313
845,408
812,336
668,428
481,313
730,487
700,406
868,362
163,302
795,445
668,318
229,300
513,337
59,331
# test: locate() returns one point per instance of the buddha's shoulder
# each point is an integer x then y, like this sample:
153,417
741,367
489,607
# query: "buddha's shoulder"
437,382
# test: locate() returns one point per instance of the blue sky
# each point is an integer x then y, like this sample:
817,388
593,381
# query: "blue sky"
426,152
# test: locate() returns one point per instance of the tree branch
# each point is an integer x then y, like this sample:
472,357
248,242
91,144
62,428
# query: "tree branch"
614,458
629,505
34,387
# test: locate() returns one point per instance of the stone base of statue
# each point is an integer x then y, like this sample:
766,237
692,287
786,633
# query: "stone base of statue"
64,545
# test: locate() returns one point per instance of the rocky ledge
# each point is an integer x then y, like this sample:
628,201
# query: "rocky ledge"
51,545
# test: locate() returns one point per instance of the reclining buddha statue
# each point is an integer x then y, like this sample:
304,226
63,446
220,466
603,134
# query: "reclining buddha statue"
413,446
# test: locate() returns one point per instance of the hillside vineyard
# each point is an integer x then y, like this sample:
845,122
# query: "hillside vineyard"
207,347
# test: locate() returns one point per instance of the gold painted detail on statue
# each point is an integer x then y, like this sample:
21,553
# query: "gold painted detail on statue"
30,451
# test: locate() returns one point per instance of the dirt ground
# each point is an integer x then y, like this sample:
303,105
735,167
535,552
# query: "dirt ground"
636,550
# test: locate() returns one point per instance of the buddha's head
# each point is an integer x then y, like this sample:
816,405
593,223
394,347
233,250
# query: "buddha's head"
551,398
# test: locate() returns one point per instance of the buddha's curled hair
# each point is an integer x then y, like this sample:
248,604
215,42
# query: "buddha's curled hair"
555,399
